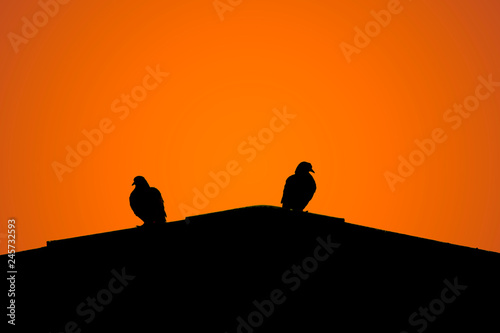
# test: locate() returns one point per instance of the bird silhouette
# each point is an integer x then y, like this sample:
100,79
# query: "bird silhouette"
299,188
147,203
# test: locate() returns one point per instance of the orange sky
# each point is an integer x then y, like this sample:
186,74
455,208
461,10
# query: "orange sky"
178,91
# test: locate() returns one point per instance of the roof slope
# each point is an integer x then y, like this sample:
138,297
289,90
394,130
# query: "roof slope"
257,269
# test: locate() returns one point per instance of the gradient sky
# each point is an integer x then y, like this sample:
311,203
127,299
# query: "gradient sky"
184,91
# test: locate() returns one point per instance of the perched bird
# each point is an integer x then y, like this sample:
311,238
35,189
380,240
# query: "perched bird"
147,203
299,188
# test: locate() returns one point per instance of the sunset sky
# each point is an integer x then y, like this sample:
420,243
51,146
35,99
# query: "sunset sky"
396,104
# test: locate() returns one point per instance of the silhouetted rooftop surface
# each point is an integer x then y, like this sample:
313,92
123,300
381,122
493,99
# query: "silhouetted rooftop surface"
211,272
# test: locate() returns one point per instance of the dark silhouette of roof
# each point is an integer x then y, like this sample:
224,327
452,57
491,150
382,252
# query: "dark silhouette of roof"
299,188
147,203
256,269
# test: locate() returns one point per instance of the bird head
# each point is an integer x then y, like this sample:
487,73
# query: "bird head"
140,181
304,167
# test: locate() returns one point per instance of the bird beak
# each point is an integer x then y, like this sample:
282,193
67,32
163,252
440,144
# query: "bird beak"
312,171
133,183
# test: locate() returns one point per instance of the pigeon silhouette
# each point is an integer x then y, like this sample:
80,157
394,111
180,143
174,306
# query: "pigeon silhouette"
299,188
147,203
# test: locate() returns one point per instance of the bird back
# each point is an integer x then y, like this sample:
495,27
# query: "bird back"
299,190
